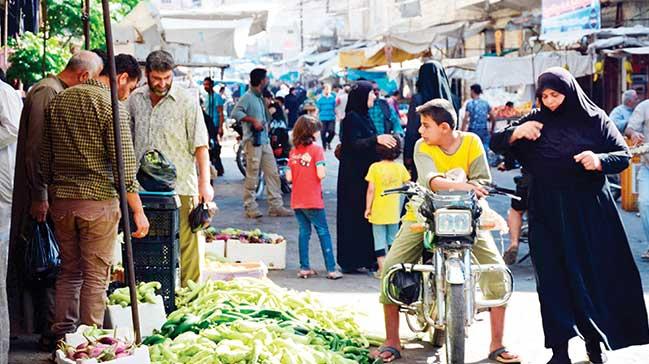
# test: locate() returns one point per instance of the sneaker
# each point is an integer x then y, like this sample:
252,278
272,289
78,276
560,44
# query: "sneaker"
280,212
253,214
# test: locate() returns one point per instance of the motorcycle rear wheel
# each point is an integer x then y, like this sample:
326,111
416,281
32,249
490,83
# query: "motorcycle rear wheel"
455,323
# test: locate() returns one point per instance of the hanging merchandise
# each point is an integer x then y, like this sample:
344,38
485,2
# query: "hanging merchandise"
599,70
628,67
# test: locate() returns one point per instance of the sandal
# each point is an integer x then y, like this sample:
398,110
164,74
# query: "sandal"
335,275
394,352
497,355
306,273
645,256
510,255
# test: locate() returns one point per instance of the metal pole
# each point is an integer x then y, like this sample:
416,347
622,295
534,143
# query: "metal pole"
44,65
5,33
120,169
301,26
86,23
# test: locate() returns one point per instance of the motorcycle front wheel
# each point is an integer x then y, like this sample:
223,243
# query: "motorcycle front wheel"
241,159
455,323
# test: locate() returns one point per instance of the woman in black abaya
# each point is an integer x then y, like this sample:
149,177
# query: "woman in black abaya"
358,138
432,83
587,281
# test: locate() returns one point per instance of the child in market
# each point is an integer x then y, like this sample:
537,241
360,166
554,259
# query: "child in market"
307,169
384,211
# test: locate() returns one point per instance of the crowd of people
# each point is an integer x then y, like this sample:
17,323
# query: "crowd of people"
58,165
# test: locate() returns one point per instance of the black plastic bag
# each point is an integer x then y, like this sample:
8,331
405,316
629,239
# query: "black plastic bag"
42,259
406,286
156,173
200,217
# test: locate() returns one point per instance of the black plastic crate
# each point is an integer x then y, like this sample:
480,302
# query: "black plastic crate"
157,261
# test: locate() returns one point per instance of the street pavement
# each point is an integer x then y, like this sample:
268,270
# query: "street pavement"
359,292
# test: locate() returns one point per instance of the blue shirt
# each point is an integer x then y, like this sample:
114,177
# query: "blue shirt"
478,110
213,102
327,107
376,114
252,104
620,117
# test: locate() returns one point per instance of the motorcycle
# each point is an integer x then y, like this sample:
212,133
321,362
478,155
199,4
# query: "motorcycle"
439,296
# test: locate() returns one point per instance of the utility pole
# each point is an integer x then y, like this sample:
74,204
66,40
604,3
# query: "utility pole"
5,33
301,25
86,23
45,36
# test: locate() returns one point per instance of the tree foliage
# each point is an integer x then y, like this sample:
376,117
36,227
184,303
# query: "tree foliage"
65,30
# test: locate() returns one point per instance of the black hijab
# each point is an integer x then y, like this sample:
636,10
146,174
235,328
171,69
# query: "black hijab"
357,99
432,82
577,106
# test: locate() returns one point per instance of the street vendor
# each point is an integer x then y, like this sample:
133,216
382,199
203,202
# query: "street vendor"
167,118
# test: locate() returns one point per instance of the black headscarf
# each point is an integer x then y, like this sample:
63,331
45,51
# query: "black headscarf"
357,99
577,106
432,82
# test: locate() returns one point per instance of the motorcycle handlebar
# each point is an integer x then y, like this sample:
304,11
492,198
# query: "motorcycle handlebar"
405,189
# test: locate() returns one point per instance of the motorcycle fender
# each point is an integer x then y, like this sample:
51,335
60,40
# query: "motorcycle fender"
454,271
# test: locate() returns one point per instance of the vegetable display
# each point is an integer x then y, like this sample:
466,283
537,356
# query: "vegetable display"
253,236
255,321
99,346
145,294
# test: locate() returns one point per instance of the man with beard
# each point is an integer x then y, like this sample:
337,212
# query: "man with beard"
167,118
252,112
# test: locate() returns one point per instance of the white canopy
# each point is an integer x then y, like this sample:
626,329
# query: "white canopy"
628,51
420,41
506,71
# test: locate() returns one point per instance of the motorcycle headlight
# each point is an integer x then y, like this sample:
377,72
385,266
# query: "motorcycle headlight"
453,222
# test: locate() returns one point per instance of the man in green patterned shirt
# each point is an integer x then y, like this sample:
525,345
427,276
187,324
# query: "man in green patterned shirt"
79,165
167,118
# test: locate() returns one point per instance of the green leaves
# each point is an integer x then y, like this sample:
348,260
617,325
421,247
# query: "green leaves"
65,29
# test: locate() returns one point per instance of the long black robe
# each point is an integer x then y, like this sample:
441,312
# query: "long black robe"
587,281
355,241
432,83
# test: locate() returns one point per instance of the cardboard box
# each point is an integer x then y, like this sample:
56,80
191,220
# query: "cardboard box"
140,356
224,273
273,255
152,316
216,247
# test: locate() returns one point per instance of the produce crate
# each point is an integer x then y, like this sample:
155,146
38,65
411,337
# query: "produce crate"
152,316
156,256
216,247
140,356
273,255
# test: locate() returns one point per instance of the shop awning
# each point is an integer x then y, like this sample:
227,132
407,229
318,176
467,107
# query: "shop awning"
639,51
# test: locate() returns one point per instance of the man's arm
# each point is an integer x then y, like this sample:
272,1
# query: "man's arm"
40,100
199,142
205,189
240,113
465,121
636,124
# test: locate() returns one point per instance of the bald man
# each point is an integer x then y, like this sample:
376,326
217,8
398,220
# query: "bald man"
31,200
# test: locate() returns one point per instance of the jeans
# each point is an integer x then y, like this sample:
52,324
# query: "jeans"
86,232
328,132
317,217
643,198
383,237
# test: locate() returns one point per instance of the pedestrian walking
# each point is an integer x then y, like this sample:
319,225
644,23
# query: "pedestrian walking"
638,131
326,104
168,119
214,109
385,119
31,307
307,170
578,243
479,116
620,114
10,108
384,212
79,166
358,151
253,113
293,103
432,83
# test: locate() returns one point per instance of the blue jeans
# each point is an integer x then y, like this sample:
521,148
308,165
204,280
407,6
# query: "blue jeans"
383,237
643,198
317,217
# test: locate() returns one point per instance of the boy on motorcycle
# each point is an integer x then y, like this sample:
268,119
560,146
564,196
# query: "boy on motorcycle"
441,150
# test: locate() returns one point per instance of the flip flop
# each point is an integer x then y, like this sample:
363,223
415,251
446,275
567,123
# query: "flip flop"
396,354
304,274
497,355
510,255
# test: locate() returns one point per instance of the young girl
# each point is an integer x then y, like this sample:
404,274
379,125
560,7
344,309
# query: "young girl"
384,211
307,169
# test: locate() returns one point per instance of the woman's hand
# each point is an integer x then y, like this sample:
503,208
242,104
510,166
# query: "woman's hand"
589,160
386,140
530,130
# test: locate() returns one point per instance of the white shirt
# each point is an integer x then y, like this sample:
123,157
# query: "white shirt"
639,122
11,106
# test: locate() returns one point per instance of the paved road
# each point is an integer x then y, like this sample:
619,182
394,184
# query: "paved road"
524,334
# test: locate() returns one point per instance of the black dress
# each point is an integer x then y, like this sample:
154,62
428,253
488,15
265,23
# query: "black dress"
587,281
355,241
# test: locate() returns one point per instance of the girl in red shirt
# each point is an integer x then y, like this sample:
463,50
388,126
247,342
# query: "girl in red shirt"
307,169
